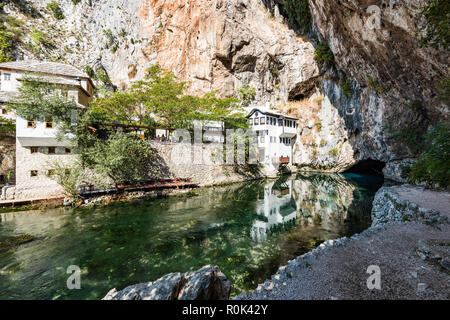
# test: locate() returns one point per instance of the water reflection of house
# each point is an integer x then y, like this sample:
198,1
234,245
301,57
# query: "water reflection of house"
277,208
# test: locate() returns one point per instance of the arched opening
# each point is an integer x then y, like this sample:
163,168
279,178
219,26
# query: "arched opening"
368,166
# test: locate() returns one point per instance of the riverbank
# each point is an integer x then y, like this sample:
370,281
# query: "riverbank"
408,241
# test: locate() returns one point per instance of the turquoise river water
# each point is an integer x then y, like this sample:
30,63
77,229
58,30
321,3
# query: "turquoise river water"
247,229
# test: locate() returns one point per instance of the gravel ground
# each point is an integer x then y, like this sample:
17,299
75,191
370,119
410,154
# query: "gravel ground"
439,201
340,271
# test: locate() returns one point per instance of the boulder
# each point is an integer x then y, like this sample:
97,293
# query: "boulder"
208,283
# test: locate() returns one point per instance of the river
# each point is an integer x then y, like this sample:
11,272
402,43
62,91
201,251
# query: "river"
247,229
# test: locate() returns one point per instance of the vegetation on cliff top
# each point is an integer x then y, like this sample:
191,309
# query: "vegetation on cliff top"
436,32
433,164
299,13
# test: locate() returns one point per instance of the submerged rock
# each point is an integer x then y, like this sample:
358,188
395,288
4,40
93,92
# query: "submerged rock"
208,283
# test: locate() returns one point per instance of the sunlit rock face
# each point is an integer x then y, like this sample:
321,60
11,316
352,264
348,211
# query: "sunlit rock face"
214,45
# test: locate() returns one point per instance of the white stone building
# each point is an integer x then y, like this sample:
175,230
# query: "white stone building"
37,146
278,207
275,137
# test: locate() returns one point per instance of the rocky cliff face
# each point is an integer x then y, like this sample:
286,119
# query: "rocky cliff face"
223,44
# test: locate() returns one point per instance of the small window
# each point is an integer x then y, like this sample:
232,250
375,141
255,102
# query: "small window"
51,150
280,122
256,121
7,76
49,123
34,149
263,120
4,111
51,172
251,121
31,123
33,173
67,150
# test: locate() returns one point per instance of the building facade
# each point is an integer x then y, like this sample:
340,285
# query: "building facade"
38,148
275,137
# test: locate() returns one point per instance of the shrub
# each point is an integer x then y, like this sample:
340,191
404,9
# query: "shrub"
436,32
374,84
246,94
346,87
323,54
433,165
298,13
57,12
334,152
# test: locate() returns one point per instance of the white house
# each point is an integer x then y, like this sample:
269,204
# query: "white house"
275,137
37,146
278,207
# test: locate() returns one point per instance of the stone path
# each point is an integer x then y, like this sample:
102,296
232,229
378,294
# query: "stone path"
439,201
340,272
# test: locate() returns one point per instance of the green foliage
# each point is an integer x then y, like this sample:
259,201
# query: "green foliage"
124,158
6,126
412,135
298,13
436,33
374,84
159,99
75,2
346,87
5,45
417,106
39,37
433,165
70,179
444,89
90,72
55,8
323,54
39,98
246,94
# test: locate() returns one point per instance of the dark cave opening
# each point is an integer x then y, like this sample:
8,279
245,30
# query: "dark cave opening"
368,166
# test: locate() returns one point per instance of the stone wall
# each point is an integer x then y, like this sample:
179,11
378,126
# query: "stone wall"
187,161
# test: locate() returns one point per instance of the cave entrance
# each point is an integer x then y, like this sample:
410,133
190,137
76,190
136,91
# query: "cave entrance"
368,166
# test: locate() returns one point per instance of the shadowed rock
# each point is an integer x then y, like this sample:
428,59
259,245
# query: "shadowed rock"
208,283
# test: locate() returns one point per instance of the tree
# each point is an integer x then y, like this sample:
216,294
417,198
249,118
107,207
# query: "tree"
246,94
41,97
436,32
159,100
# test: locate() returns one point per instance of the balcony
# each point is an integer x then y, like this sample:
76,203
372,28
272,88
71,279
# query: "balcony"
285,160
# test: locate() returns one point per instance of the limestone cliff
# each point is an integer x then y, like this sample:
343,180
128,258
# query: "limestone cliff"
344,111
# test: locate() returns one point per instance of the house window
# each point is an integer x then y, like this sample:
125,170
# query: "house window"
4,111
51,150
51,172
31,123
280,122
256,121
34,149
263,120
7,76
251,121
49,123
67,150
33,173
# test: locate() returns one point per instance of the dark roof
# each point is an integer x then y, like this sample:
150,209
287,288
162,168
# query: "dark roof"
5,96
271,113
45,67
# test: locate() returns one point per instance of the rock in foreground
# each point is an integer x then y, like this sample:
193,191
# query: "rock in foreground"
208,283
